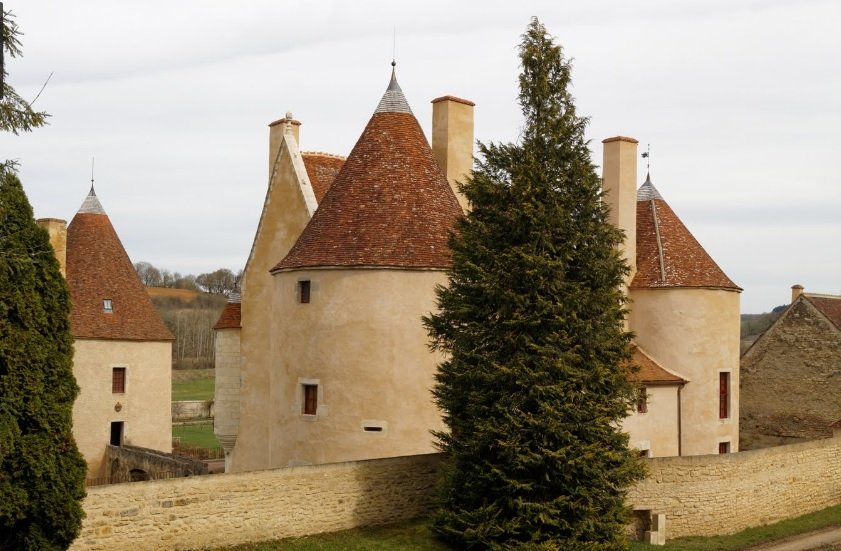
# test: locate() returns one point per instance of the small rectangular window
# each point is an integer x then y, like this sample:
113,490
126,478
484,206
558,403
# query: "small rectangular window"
107,307
304,291
724,447
310,402
642,401
724,395
118,380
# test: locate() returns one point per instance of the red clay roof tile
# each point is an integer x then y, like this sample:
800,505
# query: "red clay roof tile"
650,371
668,255
98,268
230,318
389,206
828,305
322,169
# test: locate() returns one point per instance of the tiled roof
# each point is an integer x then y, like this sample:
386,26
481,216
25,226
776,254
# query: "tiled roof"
650,371
668,255
322,169
828,305
389,206
98,268
230,317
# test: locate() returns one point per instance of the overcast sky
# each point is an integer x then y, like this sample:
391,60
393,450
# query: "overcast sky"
739,99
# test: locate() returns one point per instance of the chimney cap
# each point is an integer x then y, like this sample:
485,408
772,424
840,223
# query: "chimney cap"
797,286
285,120
455,99
620,139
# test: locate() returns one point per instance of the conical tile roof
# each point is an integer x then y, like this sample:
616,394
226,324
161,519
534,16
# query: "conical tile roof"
668,255
389,206
98,269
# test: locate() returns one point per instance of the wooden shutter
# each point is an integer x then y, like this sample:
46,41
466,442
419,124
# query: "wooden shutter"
118,380
723,395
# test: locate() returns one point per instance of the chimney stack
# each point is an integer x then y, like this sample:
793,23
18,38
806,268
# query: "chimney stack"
57,229
452,140
619,180
796,291
286,125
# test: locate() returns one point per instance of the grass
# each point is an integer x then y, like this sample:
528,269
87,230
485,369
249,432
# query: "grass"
199,435
752,536
417,536
192,384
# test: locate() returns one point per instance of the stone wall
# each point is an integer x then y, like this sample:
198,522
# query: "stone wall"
722,494
192,409
213,511
790,386
130,463
700,495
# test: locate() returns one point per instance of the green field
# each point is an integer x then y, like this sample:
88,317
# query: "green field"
192,384
199,435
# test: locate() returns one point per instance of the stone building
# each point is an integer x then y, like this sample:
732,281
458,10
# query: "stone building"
791,375
122,352
325,358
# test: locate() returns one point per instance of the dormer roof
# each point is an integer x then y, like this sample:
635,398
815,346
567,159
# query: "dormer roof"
668,255
109,301
389,206
650,371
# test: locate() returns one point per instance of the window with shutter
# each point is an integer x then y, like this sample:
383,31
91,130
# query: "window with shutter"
118,380
310,401
723,395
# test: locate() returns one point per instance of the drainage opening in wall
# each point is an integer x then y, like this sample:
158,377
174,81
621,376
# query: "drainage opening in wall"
370,428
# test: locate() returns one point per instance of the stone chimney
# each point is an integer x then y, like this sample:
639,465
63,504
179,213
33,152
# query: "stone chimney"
796,291
619,179
286,125
57,229
452,140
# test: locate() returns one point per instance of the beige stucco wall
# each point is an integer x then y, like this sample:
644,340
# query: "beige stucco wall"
288,207
145,405
694,332
657,429
362,341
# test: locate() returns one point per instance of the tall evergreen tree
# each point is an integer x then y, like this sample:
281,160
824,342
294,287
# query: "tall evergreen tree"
42,473
16,114
532,322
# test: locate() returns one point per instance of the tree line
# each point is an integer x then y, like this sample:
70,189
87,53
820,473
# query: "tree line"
219,282
190,319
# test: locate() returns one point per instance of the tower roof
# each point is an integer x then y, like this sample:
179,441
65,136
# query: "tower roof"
668,255
99,270
389,206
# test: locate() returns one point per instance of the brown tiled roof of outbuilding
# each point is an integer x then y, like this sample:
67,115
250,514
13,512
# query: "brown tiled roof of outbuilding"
668,255
650,372
231,316
98,268
389,206
322,169
828,305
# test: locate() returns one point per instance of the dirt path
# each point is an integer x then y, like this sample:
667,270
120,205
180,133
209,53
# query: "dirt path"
804,542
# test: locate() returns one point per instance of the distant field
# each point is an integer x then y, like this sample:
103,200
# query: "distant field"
192,384
186,295
199,435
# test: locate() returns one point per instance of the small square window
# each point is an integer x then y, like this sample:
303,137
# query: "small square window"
118,380
724,447
304,291
107,307
310,402
642,401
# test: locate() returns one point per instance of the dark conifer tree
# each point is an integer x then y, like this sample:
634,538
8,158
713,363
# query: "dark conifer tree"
532,321
42,473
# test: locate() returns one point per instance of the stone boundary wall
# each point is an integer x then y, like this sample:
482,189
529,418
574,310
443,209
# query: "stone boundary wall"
721,494
229,509
700,495
192,409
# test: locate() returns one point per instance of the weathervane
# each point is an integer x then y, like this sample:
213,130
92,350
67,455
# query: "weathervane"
647,156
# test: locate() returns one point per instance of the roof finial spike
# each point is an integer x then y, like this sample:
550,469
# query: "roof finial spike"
92,165
394,48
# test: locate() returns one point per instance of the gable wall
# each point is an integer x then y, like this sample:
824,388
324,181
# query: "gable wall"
285,214
791,377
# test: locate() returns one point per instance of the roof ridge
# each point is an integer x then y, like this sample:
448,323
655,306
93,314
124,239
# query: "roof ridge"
324,154
821,295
